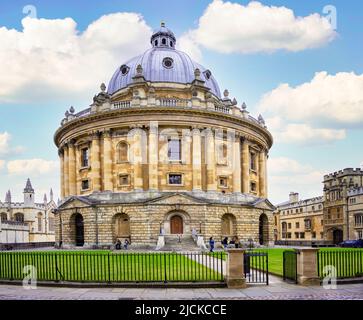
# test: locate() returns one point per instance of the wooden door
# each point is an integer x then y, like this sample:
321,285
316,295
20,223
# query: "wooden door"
176,225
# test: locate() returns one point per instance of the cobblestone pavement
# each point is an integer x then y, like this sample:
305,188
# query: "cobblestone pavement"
277,290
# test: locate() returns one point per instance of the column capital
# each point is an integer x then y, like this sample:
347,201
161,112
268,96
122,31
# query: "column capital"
95,135
107,133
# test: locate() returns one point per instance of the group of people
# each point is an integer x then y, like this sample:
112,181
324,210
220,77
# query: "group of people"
233,243
119,244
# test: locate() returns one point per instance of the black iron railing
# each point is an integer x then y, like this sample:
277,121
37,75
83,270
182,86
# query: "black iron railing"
256,267
290,266
89,266
346,263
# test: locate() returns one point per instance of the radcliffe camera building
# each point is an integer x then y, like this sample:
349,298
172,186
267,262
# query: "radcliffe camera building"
161,151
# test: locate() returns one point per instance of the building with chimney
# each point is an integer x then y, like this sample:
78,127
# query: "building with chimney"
27,221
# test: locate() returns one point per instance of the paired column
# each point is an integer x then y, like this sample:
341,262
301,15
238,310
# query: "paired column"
66,171
95,162
153,156
236,174
107,161
137,159
262,174
211,162
61,158
72,168
197,161
245,167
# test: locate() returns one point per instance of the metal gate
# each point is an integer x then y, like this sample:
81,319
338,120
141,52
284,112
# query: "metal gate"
256,267
290,266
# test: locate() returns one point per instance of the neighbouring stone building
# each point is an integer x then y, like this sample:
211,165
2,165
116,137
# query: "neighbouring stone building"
299,220
28,221
162,152
339,222
334,217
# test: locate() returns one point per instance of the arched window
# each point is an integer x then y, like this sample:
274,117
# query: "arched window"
123,151
283,230
4,216
156,43
19,217
40,216
163,41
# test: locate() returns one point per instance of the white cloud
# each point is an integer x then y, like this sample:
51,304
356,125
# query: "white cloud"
189,46
286,175
318,111
228,27
5,147
326,99
2,164
32,167
50,57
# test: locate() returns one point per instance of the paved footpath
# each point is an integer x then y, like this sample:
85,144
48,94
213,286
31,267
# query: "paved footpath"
277,290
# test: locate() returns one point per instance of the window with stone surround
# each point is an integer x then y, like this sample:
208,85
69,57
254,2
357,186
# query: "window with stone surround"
85,157
289,225
297,225
222,182
123,151
296,235
85,184
174,149
4,216
175,179
51,224
124,179
302,235
19,217
253,187
253,158
40,217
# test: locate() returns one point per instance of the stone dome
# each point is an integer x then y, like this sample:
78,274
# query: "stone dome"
162,63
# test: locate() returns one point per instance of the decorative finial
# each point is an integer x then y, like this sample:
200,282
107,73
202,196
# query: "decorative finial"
244,106
197,73
103,87
260,119
71,110
234,102
67,114
139,69
162,24
226,93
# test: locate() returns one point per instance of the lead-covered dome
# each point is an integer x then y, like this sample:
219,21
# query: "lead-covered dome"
162,63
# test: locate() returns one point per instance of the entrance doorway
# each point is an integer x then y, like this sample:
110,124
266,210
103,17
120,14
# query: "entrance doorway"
263,229
337,236
79,230
176,225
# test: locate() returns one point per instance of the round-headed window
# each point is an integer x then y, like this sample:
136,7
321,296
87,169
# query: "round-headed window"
124,69
168,62
207,74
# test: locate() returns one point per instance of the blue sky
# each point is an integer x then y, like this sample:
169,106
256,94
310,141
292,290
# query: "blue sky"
31,112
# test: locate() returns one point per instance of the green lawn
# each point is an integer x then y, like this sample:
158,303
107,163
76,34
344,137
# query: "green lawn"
106,266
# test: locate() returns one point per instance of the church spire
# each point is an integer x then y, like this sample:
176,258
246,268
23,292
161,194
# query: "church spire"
51,194
28,187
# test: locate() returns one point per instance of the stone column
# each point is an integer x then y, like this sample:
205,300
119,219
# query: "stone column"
235,276
153,156
197,160
236,163
211,161
245,167
107,161
61,158
95,162
72,168
137,159
307,266
66,172
262,173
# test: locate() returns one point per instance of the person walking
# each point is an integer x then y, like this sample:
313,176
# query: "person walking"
211,244
126,244
225,242
118,244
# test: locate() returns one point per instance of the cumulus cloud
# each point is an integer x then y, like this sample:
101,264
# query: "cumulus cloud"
228,27
318,111
32,167
50,57
5,146
286,175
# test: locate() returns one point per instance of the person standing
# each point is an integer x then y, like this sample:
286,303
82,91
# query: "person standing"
211,244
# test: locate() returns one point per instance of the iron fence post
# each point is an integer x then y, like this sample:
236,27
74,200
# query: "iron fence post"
165,280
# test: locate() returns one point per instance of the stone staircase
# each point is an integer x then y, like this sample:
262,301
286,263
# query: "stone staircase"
172,243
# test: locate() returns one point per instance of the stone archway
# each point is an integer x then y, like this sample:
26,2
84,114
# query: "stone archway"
77,229
228,226
176,222
337,236
121,227
263,229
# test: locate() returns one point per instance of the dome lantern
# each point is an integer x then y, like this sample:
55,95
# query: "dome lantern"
163,37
